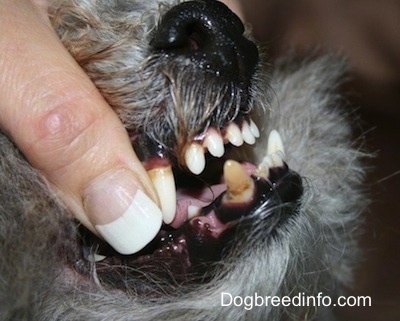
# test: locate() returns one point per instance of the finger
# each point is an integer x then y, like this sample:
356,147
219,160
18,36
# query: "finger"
66,130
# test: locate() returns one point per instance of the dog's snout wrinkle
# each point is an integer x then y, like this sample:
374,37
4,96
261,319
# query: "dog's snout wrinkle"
210,35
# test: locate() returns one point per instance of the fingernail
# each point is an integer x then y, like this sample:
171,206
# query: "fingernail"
121,212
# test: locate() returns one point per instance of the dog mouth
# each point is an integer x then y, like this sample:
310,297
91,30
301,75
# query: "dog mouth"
202,159
210,203
205,214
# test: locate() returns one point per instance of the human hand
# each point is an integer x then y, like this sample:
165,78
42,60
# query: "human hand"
66,130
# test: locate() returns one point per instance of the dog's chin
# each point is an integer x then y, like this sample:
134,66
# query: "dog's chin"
213,212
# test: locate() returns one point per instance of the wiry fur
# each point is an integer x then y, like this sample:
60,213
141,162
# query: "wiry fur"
312,252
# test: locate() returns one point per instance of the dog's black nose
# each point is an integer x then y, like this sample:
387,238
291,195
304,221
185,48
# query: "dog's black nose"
211,35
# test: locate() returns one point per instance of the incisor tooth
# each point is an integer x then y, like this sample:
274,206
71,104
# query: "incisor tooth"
247,135
164,183
214,143
234,135
254,129
195,159
275,144
193,211
240,186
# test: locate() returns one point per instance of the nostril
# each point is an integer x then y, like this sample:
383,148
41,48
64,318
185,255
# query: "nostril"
180,37
208,33
184,28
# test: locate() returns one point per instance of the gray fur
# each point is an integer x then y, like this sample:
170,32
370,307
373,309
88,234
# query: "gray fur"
313,252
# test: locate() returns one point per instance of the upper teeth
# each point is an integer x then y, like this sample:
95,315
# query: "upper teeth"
275,144
234,135
254,129
195,159
213,142
239,184
275,154
248,136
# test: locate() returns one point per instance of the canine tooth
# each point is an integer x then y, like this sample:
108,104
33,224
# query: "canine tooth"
193,211
240,186
275,144
164,183
254,129
247,135
273,160
214,143
234,135
195,159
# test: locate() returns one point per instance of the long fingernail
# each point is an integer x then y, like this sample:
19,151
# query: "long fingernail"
121,212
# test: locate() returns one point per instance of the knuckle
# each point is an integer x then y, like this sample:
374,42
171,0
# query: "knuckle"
61,135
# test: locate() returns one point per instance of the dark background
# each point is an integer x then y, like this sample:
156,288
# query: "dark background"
368,33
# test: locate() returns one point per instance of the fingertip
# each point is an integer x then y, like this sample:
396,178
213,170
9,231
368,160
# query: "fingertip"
121,212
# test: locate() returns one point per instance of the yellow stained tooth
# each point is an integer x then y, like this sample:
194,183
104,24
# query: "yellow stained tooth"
240,186
164,183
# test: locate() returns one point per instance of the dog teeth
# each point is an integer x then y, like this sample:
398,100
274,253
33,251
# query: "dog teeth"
247,134
193,211
94,258
275,144
274,160
234,135
254,129
240,186
195,159
164,183
275,154
214,143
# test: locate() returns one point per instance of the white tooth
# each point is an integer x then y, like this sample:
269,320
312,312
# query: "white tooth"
234,135
193,211
195,159
164,183
275,144
274,160
247,135
254,129
93,257
263,169
214,143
